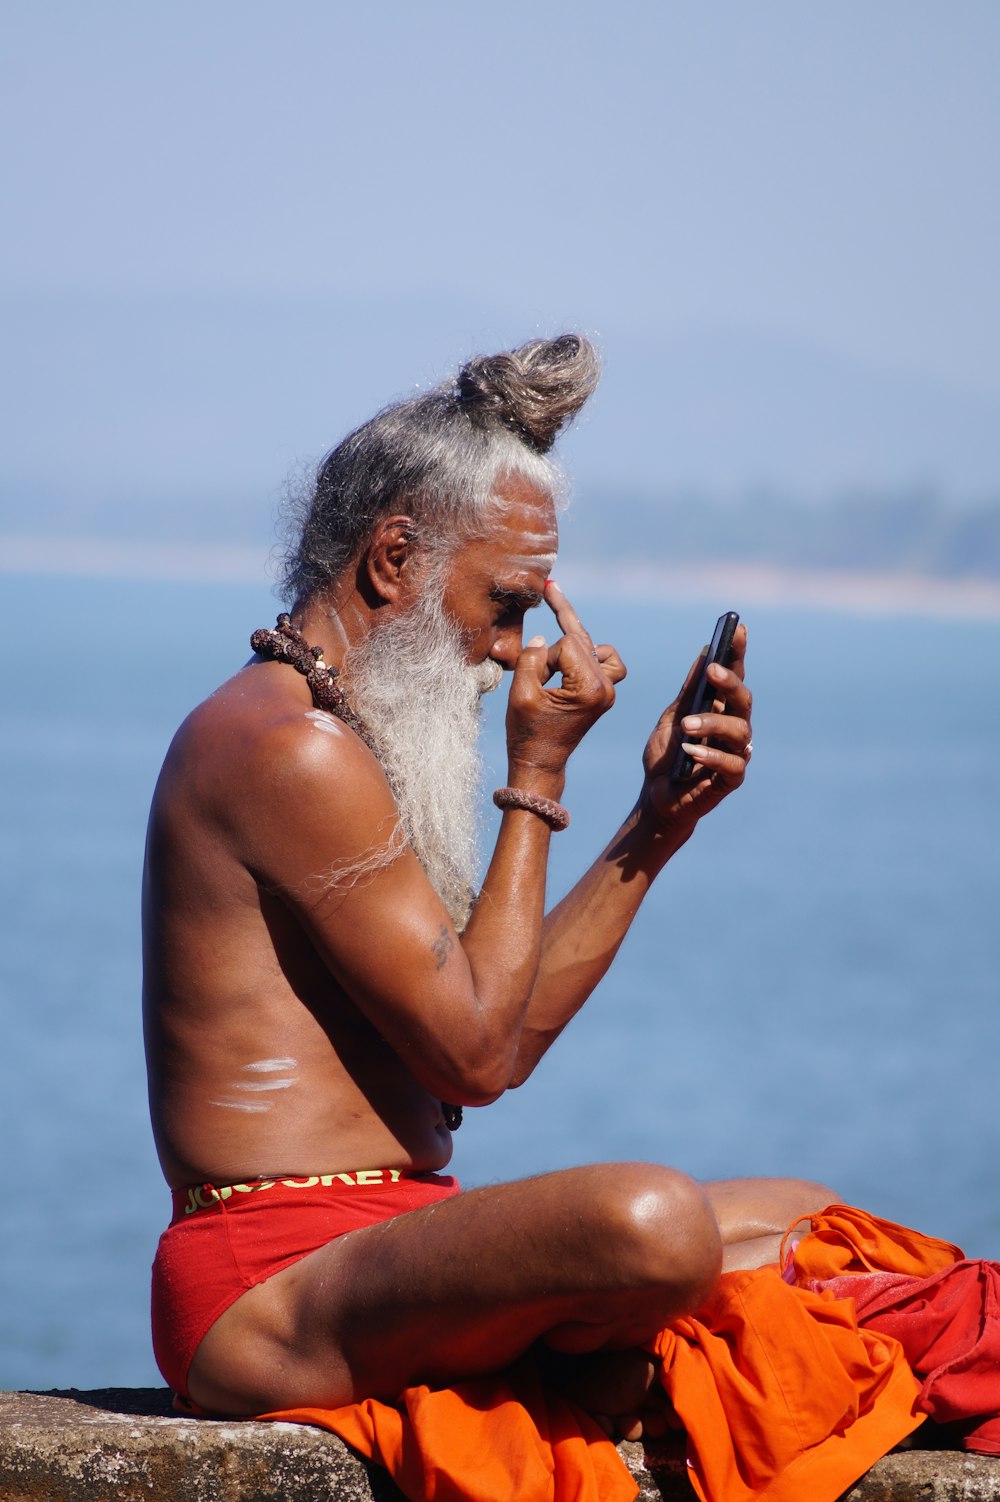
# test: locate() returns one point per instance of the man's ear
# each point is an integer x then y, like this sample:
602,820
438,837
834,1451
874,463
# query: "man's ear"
385,564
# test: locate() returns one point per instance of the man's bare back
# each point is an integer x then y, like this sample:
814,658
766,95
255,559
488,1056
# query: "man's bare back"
319,979
259,1062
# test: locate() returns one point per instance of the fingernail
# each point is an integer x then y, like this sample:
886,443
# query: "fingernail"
537,641
692,747
691,722
551,582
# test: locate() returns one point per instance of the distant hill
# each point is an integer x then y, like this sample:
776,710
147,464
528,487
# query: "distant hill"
913,532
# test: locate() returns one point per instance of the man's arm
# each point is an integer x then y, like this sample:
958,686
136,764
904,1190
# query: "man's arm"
451,1008
467,1016
583,933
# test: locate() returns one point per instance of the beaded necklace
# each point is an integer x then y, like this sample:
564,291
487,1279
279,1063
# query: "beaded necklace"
285,644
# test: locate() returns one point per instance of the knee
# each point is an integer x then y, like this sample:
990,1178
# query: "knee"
662,1231
749,1208
805,1197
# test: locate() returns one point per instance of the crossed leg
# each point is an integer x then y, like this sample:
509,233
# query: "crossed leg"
584,1260
754,1214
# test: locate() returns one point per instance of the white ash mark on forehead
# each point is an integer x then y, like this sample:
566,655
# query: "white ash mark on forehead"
270,1066
545,541
523,561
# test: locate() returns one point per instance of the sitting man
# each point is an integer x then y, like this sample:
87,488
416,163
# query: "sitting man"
321,974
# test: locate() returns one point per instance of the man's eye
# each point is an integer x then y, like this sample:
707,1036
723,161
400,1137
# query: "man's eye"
509,607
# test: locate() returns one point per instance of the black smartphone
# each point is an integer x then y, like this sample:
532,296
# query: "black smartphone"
720,650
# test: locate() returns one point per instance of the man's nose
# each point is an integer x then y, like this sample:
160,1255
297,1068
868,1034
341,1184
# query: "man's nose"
506,648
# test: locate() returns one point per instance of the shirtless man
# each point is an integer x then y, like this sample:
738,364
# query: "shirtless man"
319,976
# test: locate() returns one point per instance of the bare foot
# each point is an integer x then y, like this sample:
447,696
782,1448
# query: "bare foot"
614,1387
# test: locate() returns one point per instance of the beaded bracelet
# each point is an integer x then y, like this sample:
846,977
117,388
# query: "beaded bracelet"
555,816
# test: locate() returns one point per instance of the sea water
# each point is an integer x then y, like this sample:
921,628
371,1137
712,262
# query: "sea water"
810,989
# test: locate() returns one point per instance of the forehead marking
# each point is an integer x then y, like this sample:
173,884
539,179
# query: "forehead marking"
524,561
530,534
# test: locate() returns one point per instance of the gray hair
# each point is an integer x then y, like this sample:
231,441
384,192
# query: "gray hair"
439,457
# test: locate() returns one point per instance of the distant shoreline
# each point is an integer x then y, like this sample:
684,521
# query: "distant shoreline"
752,584
740,585
112,558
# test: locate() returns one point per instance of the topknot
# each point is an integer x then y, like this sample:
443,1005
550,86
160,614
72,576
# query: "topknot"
439,456
533,390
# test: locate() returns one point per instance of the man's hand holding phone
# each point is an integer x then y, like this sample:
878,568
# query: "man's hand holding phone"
699,750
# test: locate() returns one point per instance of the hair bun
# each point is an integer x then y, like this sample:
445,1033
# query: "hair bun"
533,390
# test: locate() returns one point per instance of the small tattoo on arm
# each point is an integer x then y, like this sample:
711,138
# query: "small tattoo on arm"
441,948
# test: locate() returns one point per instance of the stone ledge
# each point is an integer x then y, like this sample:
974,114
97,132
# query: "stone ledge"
127,1445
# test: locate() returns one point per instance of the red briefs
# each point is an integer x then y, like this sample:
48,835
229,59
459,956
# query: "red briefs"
223,1240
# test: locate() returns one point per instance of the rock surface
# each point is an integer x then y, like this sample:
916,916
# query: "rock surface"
127,1445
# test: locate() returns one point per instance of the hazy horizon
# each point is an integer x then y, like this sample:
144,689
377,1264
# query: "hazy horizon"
238,232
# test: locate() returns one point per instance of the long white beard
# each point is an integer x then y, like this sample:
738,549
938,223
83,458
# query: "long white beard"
419,699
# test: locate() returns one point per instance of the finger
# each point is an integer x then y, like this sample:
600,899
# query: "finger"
738,651
533,663
731,692
584,681
610,662
569,621
573,653
721,727
726,764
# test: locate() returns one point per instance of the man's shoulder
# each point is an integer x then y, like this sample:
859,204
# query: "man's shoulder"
251,738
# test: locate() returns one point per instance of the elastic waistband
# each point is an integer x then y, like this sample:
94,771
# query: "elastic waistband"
195,1197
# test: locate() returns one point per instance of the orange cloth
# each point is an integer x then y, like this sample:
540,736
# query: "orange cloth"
844,1239
494,1439
943,1309
780,1394
782,1397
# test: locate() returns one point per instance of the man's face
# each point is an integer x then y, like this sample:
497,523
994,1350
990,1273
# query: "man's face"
417,678
492,581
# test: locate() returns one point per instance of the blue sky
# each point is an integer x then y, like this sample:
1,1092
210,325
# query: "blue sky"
780,198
